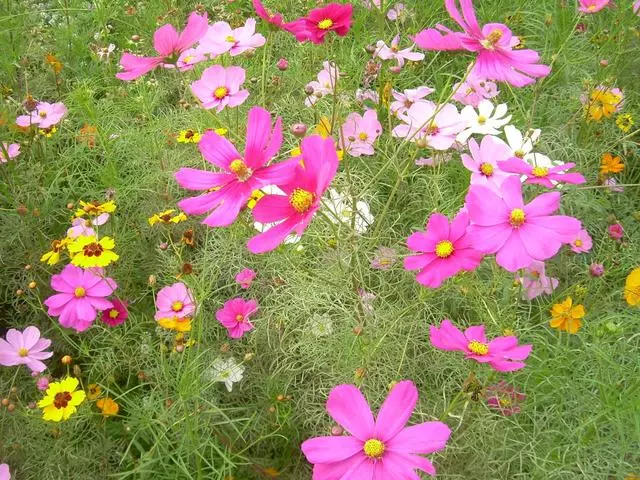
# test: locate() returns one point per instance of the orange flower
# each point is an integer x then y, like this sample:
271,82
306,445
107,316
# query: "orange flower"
610,164
87,135
108,407
566,316
52,60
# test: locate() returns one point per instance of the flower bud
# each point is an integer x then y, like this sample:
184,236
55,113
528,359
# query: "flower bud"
66,360
299,129
282,64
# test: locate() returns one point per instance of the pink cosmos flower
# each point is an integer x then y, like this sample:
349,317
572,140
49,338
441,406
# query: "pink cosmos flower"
45,115
168,43
320,21
275,19
422,124
535,282
42,383
12,150
616,232
366,299
241,174
592,6
403,101
393,52
504,398
397,12
325,85
636,7
82,293
473,90
174,301
221,38
515,232
502,353
25,348
445,250
582,242
188,59
494,45
303,193
117,314
245,277
359,132
384,448
82,226
234,316
219,87
5,474
484,160
547,177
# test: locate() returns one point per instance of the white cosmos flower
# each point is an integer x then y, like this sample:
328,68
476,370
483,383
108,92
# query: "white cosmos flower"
341,211
520,144
321,325
227,372
486,121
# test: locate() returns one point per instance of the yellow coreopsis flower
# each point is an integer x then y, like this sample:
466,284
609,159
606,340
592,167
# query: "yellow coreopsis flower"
566,316
255,196
624,122
189,136
632,288
323,128
603,103
57,247
48,132
61,400
93,391
167,217
88,252
108,407
175,323
95,208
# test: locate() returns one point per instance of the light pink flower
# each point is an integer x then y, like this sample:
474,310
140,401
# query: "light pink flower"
359,132
188,59
582,242
384,448
245,277
12,151
117,314
422,124
394,52
219,87
515,232
397,12
474,89
547,177
484,160
45,115
592,6
174,301
636,7
221,38
403,101
81,227
535,282
370,4
327,80
42,383
234,316
25,348
502,353
612,183
5,474
82,294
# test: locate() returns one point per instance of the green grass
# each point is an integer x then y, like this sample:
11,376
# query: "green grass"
580,419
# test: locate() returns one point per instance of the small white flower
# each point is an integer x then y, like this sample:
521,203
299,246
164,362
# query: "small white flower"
541,160
321,325
520,144
227,372
487,121
106,51
341,211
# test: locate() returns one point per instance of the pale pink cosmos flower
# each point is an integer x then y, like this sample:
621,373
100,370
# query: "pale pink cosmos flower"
25,348
359,132
370,4
403,100
517,233
324,85
445,250
219,87
547,177
367,95
582,242
234,316
484,160
497,59
384,448
245,277
174,301
5,474
612,184
502,353
439,158
189,59
430,126
82,226
81,295
393,52
221,38
42,383
592,6
398,12
535,282
168,43
9,151
45,115
474,89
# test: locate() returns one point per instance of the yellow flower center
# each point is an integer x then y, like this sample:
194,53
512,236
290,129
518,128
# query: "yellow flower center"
478,348
325,24
516,218
220,92
540,172
230,39
373,448
240,169
23,352
486,169
177,306
519,153
578,243
80,292
301,200
444,249
490,40
504,402
363,136
591,8
482,119
113,313
432,128
43,114
188,59
239,318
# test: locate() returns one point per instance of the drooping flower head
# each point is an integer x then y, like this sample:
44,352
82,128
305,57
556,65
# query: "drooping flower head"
333,17
219,87
9,151
25,348
175,301
592,6
484,160
497,59
117,314
245,277
430,125
221,38
393,52
45,115
502,353
235,314
229,190
384,448
535,281
537,175
359,132
61,400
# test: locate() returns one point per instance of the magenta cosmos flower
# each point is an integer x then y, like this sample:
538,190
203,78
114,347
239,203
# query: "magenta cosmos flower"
117,314
234,316
333,17
592,6
219,87
25,348
82,294
547,177
430,125
359,132
174,301
229,190
502,353
221,38
517,233
302,195
245,277
45,115
393,52
9,151
274,19
445,250
168,43
384,448
616,231
494,45
484,160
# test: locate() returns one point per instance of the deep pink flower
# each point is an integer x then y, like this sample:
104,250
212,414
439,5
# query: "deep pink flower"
616,232
82,295
245,277
596,269
403,101
517,233
240,175
117,314
12,151
547,177
384,448
445,250
484,160
45,115
592,6
582,242
5,474
25,348
320,21
303,193
174,301
494,45
535,281
502,353
359,132
394,52
430,125
168,43
219,87
275,19
504,398
221,38
234,316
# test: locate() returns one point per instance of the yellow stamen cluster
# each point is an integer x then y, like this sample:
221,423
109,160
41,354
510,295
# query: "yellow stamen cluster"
540,172
478,348
373,448
177,306
486,169
301,200
517,217
23,352
325,24
80,292
240,168
220,92
444,249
